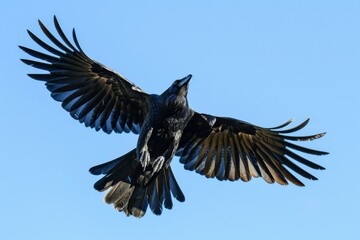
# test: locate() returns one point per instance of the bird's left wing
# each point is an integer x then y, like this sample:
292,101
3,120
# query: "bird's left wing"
92,93
230,149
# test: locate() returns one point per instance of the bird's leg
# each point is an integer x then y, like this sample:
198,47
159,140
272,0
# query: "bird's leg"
144,157
158,163
168,155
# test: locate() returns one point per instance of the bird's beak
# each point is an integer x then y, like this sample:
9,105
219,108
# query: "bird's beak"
185,80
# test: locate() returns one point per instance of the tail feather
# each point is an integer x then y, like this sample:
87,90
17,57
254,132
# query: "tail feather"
174,187
155,198
166,193
119,193
138,202
119,169
129,194
104,168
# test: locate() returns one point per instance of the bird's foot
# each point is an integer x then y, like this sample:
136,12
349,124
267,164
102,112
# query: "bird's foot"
158,164
144,158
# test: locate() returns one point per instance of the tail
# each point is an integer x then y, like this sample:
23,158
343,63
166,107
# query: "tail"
126,194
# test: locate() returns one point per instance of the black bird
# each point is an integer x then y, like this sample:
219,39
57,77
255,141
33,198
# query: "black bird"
221,147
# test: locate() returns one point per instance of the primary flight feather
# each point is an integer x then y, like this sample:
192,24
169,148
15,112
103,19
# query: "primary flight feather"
217,147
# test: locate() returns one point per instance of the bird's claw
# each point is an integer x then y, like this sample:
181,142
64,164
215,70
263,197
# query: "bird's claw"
158,164
144,159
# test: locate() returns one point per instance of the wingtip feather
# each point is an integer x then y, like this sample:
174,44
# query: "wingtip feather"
26,61
40,23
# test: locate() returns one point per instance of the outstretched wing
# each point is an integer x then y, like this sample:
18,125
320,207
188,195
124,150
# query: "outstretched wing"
230,149
92,93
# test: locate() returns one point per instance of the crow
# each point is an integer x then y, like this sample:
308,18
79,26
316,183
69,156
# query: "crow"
217,147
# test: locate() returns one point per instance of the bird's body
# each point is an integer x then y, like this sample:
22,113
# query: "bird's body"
217,147
165,122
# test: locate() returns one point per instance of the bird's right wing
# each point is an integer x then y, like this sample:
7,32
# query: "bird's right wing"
230,149
92,93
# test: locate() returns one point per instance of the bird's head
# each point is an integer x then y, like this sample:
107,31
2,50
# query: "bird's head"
175,95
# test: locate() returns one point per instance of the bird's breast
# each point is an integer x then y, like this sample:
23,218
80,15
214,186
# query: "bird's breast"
164,134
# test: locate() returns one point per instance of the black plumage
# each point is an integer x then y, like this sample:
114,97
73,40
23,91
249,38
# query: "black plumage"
225,148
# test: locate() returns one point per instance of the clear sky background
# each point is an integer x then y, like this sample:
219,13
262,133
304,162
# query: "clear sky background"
260,61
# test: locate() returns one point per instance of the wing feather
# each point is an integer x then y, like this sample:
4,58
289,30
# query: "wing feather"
211,156
92,93
230,149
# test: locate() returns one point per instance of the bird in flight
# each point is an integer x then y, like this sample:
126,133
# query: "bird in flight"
216,147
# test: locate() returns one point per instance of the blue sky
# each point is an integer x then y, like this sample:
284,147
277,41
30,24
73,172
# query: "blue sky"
260,61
